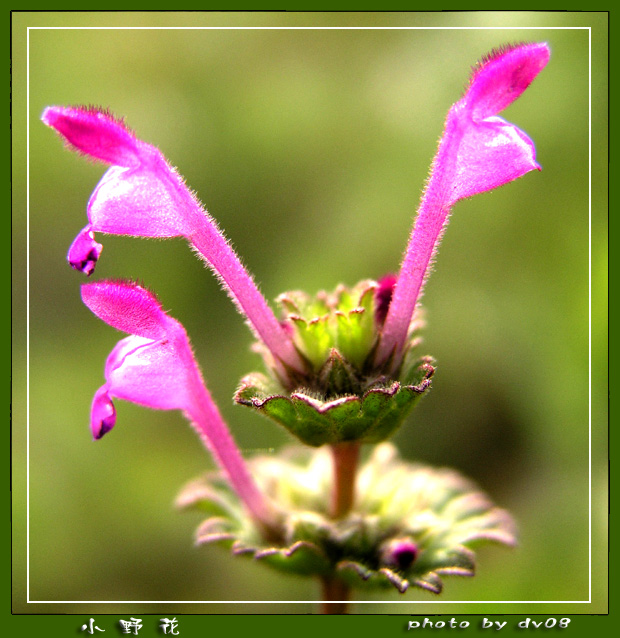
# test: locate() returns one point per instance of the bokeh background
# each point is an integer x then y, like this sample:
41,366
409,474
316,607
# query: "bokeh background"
311,147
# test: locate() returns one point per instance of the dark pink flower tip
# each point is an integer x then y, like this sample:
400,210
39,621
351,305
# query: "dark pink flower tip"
128,307
84,252
383,296
95,133
102,413
501,77
399,553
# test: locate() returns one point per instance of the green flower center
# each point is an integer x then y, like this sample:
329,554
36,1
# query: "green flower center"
342,395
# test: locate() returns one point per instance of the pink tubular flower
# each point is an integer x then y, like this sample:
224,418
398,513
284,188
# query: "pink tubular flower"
478,151
143,196
155,367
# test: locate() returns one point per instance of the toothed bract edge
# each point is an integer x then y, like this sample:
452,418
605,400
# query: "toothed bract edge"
411,524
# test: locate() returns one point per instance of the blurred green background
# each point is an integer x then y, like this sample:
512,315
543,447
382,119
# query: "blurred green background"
311,147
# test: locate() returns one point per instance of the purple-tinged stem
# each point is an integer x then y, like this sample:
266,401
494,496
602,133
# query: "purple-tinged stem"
334,589
345,457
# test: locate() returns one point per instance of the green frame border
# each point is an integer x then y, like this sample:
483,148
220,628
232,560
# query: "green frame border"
58,623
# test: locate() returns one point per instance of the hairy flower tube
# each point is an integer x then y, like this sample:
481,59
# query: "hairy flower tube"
342,367
155,367
143,196
478,151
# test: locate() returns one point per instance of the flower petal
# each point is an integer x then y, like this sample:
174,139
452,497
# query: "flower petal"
477,152
142,195
96,133
155,367
128,307
491,153
102,413
84,251
502,76
150,373
142,202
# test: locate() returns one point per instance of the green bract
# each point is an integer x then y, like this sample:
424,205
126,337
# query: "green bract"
342,396
410,525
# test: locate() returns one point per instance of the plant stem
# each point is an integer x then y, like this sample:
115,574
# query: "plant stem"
335,590
345,457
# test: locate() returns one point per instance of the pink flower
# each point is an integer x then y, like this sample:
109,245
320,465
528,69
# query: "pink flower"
143,196
478,151
155,367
